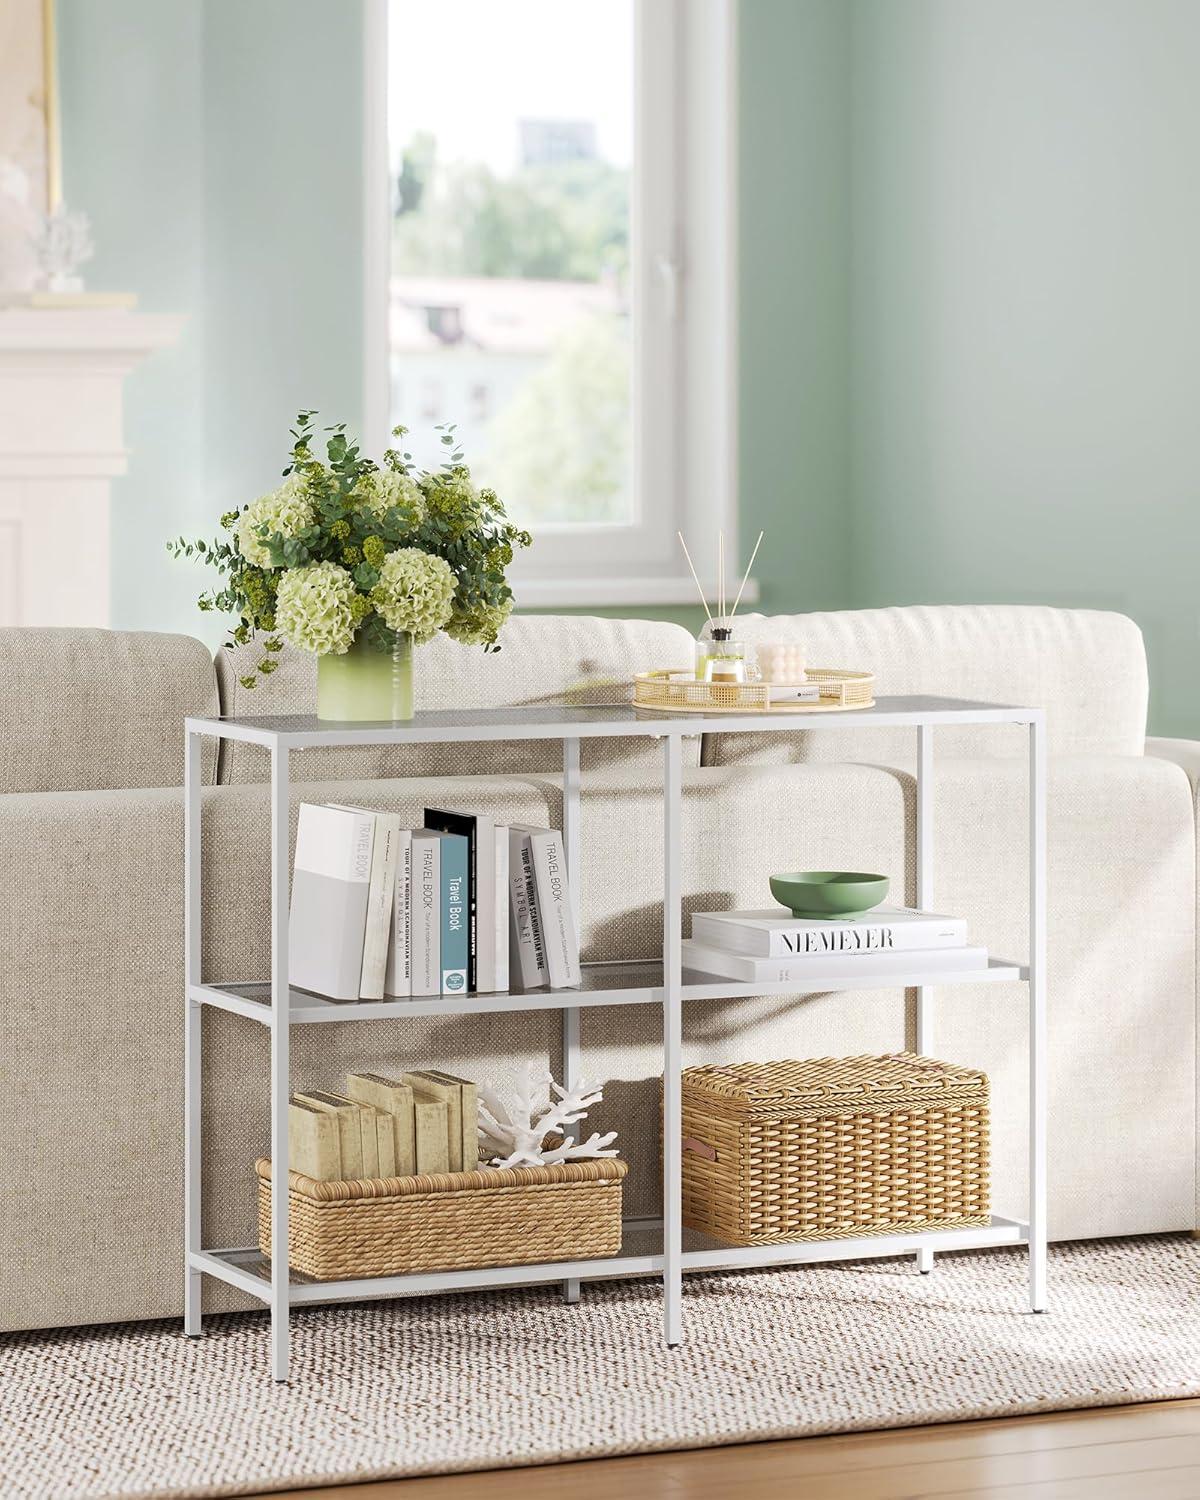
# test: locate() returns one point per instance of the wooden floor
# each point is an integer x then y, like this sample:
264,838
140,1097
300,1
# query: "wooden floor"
1122,1453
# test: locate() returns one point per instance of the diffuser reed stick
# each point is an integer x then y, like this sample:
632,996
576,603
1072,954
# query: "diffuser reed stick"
746,574
695,577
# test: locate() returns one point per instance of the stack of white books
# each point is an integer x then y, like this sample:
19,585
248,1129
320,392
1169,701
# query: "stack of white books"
773,947
461,904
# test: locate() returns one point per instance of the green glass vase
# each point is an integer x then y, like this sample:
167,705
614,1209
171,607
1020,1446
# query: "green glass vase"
371,681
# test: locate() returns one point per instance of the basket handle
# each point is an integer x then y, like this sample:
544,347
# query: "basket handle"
699,1148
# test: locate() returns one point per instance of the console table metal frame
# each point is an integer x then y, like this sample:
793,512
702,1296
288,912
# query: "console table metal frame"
278,1008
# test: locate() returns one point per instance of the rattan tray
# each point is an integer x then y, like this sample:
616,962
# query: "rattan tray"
393,1226
841,690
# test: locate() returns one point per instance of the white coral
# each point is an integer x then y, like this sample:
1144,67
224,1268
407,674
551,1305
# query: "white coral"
541,1108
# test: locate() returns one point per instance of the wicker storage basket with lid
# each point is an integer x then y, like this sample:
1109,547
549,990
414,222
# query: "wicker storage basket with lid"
833,1147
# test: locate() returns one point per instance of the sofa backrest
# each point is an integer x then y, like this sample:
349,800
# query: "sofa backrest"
543,659
92,710
1085,667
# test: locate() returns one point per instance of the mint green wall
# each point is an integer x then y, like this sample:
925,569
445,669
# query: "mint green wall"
969,335
1025,324
216,146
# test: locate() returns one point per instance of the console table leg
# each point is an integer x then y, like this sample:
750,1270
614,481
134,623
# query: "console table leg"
280,1061
672,1045
924,852
1037,1015
192,1077
570,1015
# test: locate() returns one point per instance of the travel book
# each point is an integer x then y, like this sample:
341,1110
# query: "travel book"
552,897
800,968
776,934
425,923
331,885
487,887
455,915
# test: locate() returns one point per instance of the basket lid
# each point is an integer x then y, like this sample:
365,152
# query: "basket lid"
812,1080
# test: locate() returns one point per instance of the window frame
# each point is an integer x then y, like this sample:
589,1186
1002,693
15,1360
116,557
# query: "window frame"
684,292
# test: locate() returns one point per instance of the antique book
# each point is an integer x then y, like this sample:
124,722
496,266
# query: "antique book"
396,1100
346,1112
429,1085
314,1146
432,1136
468,1115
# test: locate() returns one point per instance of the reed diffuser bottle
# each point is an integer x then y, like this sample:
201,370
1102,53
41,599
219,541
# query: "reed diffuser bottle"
721,656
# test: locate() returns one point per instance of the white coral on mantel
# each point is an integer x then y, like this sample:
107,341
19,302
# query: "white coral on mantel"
541,1108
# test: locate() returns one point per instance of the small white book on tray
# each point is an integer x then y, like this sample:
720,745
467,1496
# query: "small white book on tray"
777,934
800,970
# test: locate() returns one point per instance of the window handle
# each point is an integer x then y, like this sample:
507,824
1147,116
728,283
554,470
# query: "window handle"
668,270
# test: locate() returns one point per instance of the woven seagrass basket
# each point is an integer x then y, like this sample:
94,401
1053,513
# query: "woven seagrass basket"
393,1226
834,1147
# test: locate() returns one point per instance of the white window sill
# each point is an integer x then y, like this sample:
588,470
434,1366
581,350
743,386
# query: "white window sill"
543,593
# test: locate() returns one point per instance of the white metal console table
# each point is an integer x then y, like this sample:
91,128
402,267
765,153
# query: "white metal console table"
649,1248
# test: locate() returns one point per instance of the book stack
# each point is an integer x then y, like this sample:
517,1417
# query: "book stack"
424,1121
461,904
773,947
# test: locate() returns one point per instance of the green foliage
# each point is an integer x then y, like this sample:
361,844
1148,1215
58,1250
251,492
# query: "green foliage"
346,511
562,221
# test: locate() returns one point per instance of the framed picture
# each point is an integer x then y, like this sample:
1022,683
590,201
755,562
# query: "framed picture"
30,174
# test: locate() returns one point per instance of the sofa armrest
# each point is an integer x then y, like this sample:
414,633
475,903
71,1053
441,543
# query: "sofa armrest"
1183,753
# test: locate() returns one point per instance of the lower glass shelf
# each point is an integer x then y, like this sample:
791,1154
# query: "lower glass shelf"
641,1254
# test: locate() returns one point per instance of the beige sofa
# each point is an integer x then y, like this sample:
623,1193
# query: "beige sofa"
91,1012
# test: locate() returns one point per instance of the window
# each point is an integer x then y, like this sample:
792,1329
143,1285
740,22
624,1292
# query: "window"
555,260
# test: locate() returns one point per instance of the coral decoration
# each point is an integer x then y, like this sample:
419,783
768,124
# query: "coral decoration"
542,1108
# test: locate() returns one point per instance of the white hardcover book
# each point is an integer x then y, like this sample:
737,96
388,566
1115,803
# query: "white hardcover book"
500,906
527,949
397,981
802,971
380,901
554,908
426,913
331,884
485,905
775,934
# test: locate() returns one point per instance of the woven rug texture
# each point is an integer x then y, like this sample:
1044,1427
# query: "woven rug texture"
485,1380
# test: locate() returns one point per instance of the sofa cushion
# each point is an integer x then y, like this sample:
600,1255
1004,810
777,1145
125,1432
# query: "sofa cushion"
543,659
1086,667
87,710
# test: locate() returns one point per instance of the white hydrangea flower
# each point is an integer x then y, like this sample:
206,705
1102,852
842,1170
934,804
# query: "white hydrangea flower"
287,510
415,592
480,625
313,608
382,489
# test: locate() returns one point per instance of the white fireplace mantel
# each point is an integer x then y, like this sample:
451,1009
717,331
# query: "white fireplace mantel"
62,374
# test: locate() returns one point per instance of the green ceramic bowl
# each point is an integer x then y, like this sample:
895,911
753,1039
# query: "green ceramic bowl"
828,893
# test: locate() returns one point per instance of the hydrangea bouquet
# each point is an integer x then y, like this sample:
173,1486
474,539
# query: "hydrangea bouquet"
357,562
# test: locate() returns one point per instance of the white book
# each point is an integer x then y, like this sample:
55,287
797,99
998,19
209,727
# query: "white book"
527,949
500,906
426,912
331,884
397,980
776,934
554,907
802,971
380,901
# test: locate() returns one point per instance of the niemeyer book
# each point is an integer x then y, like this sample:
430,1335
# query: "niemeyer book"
776,934
801,969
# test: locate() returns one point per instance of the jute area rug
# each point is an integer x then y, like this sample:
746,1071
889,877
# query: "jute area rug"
515,1377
